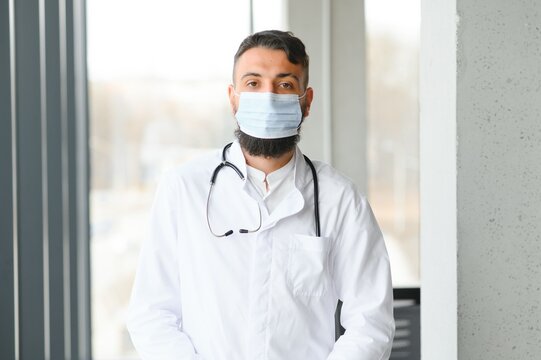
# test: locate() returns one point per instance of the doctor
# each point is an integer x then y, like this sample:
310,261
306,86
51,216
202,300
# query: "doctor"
252,265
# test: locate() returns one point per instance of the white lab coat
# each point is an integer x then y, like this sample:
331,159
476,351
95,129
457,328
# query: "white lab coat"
268,295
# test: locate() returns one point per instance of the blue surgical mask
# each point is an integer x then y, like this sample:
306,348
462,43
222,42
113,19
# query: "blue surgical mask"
269,116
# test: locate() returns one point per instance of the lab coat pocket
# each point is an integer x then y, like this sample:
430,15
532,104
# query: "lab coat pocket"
307,265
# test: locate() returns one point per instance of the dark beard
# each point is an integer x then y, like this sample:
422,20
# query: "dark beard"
272,148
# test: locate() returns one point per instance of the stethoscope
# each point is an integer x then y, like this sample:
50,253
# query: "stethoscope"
226,163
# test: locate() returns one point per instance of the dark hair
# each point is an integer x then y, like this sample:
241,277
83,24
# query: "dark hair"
277,40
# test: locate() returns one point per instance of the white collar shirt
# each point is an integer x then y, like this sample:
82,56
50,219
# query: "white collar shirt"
273,187
267,295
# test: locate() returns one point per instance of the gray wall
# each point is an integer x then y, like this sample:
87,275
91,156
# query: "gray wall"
495,125
499,179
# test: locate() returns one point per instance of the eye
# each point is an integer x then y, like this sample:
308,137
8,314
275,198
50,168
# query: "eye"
286,85
251,83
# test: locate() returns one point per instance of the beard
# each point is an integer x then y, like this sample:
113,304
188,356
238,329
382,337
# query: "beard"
273,148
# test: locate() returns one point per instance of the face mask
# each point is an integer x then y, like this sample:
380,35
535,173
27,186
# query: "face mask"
269,116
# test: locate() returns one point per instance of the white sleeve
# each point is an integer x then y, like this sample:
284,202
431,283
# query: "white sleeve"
361,275
154,318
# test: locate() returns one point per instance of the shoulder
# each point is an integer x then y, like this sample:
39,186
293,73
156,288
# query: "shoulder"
337,188
333,178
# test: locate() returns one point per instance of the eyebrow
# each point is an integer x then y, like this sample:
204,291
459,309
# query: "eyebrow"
280,76
250,74
284,75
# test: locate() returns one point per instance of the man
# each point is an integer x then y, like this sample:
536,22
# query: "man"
246,268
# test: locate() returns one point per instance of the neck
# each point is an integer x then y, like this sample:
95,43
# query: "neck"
267,164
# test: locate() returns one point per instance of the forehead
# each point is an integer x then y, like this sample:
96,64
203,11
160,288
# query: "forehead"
266,62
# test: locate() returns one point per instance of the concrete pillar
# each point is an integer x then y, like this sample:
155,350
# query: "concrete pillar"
480,179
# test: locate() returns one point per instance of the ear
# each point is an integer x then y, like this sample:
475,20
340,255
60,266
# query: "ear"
308,100
233,99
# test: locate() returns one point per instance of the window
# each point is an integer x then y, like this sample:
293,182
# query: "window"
158,75
393,118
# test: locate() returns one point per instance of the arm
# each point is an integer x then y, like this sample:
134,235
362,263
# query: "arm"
154,315
362,280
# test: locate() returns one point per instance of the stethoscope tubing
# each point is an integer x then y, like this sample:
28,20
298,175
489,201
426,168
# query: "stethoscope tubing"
226,163
316,195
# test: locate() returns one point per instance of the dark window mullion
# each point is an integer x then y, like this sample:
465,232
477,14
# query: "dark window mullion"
77,129
29,181
55,182
7,263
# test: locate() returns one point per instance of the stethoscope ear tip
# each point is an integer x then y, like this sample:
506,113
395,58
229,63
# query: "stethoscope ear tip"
228,233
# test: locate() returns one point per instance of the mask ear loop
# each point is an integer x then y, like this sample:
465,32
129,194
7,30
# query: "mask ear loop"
302,120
